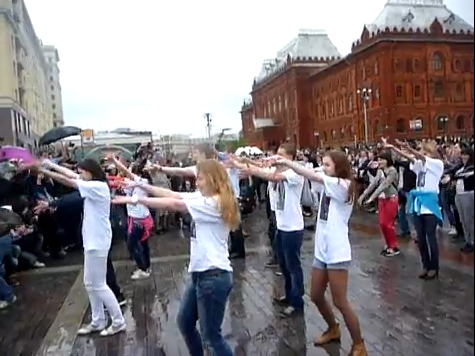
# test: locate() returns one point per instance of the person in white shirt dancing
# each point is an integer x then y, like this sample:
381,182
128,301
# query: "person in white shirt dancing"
140,223
97,237
288,188
332,245
215,213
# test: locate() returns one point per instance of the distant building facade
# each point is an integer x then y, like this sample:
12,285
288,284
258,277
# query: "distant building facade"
26,102
413,68
54,85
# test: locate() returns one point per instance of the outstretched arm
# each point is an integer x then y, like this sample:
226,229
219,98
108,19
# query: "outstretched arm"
120,166
58,177
62,170
160,192
155,203
301,170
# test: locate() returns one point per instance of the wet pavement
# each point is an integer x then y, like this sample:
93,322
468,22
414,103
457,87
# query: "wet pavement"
399,314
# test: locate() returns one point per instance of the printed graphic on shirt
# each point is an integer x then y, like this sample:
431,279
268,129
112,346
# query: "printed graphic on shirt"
421,179
192,230
324,207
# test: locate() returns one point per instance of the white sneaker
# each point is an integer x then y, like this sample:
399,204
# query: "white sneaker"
112,330
4,304
89,329
39,264
140,275
453,232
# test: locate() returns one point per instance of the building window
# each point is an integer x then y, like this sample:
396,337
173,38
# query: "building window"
378,128
460,122
459,92
52,97
350,102
342,133
442,123
54,106
417,124
333,135
51,79
54,116
399,91
52,87
397,65
376,68
438,61
467,66
439,89
457,65
416,65
340,106
417,91
409,65
401,126
377,95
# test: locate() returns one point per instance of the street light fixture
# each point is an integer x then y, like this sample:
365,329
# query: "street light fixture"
207,116
365,95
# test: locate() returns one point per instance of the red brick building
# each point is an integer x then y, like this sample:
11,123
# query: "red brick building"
412,67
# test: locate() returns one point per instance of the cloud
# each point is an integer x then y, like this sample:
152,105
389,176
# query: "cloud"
160,65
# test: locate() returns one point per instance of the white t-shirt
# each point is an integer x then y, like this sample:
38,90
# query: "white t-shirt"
234,177
332,243
290,218
138,211
429,174
96,226
271,191
209,235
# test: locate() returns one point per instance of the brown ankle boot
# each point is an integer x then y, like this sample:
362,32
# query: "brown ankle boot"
331,335
358,350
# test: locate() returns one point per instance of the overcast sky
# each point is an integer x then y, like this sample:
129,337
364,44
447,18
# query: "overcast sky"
159,65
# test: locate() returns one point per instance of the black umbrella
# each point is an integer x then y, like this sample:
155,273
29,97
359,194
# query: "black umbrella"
59,133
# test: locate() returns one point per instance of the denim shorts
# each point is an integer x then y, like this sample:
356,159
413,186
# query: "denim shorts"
338,266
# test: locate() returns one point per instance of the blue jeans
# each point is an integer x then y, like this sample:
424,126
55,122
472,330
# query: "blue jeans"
448,207
139,250
403,217
288,256
205,300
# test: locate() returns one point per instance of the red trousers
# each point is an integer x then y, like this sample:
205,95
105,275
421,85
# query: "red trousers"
388,212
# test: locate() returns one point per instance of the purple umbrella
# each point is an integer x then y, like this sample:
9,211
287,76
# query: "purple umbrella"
19,153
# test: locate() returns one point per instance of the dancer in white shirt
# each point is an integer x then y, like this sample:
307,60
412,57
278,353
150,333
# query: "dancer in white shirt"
215,213
97,237
332,244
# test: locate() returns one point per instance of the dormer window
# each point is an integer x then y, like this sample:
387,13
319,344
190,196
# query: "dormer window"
408,18
450,19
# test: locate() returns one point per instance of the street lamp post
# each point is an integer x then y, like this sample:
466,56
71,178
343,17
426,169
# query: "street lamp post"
365,95
207,116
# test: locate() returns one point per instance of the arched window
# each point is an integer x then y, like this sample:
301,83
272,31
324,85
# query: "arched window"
417,124
438,61
333,135
401,126
325,136
460,122
457,65
377,128
442,123
342,133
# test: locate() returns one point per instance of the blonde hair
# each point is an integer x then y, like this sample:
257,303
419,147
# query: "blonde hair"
430,148
219,184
